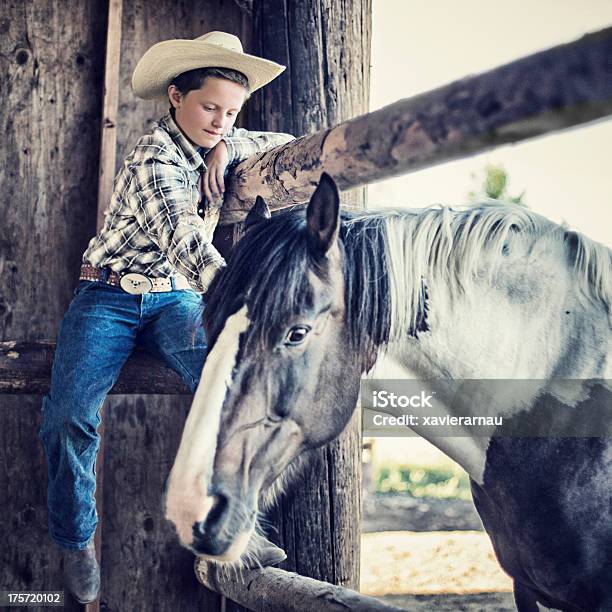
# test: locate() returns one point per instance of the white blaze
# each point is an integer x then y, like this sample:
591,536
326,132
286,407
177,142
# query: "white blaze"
187,499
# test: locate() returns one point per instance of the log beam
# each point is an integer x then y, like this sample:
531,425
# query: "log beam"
555,89
276,590
25,369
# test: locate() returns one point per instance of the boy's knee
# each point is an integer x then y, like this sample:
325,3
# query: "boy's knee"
189,365
71,419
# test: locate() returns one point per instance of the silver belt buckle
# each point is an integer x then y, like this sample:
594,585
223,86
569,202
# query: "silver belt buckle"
135,283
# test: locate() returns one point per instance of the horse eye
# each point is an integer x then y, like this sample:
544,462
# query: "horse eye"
297,335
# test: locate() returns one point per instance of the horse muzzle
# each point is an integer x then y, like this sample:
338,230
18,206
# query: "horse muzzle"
225,533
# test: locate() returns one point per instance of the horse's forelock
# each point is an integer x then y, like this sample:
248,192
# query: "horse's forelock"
270,264
266,269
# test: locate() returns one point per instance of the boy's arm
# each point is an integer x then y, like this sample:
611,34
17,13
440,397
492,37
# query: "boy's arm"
242,144
165,207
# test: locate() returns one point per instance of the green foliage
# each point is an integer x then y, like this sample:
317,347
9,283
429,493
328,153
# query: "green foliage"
495,186
446,482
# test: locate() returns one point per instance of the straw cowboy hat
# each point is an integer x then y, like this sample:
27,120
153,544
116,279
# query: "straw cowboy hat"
169,58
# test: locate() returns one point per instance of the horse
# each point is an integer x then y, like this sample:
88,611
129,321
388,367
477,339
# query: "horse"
310,301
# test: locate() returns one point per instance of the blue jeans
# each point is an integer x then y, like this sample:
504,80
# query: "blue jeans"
98,333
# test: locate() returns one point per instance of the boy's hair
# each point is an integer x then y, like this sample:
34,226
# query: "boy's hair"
194,79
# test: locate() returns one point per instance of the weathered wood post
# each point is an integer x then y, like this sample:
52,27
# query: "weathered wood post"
326,48
50,74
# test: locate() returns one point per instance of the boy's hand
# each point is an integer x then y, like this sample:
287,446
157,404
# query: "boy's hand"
216,162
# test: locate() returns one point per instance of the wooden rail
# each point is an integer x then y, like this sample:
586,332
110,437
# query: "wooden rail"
267,591
558,88
25,368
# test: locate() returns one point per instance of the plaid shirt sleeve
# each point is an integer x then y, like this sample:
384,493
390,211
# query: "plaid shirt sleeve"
242,144
165,207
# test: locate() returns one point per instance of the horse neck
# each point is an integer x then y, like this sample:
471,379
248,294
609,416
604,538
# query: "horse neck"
530,320
528,313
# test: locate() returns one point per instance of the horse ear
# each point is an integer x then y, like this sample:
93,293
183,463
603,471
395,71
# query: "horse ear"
323,216
259,212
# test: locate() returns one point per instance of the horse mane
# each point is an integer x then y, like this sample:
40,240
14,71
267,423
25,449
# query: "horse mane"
274,253
270,255
450,245
390,256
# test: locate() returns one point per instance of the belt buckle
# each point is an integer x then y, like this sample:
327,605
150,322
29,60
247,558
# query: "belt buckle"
135,283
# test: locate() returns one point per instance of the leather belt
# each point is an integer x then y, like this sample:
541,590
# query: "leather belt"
134,282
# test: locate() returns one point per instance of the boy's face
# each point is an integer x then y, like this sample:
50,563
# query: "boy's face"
205,115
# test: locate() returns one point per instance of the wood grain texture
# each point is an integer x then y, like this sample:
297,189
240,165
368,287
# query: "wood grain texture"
51,60
552,90
25,369
28,559
326,48
108,145
50,76
268,591
144,567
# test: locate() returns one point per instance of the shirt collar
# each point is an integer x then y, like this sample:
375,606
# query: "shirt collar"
194,155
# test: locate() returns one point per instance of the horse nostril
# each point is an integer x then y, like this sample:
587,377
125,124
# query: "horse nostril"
213,522
219,506
198,529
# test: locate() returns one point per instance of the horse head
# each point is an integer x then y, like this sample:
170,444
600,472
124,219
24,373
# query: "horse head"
279,359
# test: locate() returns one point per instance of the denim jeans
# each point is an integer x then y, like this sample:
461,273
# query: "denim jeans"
98,333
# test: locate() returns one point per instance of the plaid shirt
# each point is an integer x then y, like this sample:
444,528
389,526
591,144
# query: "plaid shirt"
155,223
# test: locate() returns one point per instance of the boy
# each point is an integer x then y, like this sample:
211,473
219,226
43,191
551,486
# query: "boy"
139,273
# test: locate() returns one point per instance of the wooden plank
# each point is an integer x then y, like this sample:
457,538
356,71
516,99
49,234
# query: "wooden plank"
28,558
108,146
50,74
555,89
142,437
25,369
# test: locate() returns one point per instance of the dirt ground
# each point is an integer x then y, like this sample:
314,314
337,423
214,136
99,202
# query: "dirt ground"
483,602
392,512
430,554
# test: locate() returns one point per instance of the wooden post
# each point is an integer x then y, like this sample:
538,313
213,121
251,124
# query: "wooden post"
108,144
326,48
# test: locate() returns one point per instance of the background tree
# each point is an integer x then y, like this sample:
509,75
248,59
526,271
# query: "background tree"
494,186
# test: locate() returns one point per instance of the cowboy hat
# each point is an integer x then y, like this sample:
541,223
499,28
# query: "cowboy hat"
169,58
